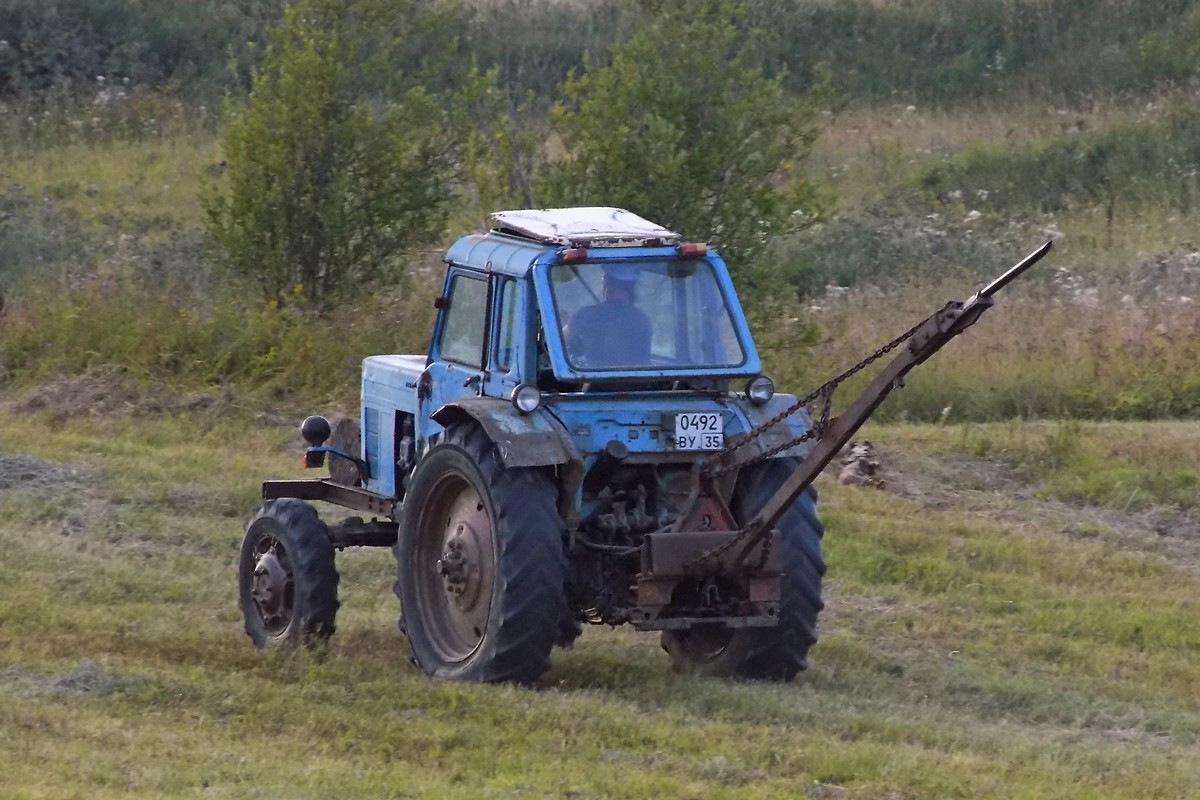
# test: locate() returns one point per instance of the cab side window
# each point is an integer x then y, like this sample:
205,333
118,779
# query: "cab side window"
506,333
464,332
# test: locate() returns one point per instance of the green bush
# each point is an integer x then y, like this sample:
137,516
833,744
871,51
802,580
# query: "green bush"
943,51
147,43
337,164
682,126
924,51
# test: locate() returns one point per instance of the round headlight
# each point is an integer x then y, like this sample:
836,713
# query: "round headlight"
760,389
526,398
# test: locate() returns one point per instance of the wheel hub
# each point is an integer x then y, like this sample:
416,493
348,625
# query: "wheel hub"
452,566
269,588
458,566
456,551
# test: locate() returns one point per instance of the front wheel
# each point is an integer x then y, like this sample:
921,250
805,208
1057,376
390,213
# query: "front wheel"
480,565
779,652
287,581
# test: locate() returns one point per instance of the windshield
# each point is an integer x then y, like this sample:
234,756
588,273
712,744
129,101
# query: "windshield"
644,315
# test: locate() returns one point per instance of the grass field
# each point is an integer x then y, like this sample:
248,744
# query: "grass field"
1015,615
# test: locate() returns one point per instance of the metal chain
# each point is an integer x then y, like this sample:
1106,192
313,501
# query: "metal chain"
724,548
824,391
768,539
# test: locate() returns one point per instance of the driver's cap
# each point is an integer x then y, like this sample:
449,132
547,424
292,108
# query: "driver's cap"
625,273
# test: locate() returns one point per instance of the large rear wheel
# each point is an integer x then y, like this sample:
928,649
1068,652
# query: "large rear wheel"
480,563
287,581
779,652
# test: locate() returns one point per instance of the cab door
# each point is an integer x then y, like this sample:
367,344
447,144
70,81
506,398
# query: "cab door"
458,352
510,338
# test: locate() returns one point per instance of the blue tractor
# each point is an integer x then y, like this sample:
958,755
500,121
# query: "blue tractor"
590,439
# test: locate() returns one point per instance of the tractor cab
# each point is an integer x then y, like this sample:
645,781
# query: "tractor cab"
624,302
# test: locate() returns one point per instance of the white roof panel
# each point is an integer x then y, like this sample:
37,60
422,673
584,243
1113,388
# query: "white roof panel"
590,226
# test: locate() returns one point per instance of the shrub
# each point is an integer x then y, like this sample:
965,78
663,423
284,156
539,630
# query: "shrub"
337,164
682,126
150,43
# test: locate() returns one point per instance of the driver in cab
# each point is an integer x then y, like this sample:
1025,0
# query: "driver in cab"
614,332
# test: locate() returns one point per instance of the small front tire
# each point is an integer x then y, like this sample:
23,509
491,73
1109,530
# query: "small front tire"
287,580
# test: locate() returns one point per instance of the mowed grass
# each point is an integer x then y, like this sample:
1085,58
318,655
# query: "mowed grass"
962,655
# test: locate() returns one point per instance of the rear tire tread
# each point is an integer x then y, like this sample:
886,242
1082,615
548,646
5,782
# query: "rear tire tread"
528,600
781,651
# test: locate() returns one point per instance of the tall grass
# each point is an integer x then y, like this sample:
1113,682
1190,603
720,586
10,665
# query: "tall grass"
942,51
1057,345
1146,163
1064,343
85,322
1083,335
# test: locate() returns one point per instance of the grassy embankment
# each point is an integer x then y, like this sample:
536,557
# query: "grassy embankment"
1106,326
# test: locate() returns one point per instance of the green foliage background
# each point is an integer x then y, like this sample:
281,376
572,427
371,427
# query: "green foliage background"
681,125
927,145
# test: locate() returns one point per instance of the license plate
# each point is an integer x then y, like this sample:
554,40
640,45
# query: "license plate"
699,431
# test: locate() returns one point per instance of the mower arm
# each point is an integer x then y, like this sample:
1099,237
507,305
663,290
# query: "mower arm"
932,336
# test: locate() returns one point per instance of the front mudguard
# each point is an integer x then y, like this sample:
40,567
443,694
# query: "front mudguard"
522,440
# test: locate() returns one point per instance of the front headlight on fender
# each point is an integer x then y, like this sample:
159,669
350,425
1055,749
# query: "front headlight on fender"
526,398
760,389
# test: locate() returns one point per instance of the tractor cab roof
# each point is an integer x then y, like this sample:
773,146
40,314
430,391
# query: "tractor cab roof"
592,226
519,238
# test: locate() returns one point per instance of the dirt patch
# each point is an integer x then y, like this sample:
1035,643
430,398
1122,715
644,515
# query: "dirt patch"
27,474
93,393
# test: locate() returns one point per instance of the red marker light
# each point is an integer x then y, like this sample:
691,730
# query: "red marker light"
692,250
573,256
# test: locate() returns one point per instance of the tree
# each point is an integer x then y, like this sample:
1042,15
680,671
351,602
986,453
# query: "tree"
338,163
682,126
